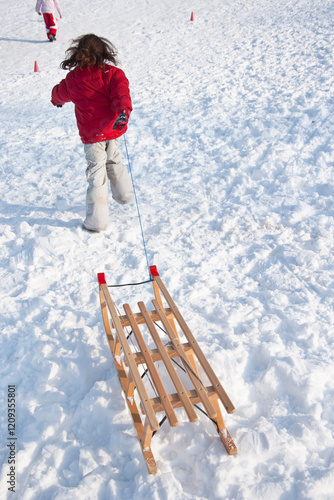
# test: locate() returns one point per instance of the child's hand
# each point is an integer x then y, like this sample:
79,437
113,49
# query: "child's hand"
121,120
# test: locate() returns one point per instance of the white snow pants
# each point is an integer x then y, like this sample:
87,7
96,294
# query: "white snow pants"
104,162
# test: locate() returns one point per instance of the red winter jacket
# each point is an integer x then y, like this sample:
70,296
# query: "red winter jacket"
99,97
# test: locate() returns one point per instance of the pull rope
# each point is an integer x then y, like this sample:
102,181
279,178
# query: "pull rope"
134,190
130,284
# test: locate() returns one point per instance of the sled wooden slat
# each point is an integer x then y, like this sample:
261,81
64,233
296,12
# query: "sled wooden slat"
197,350
199,387
140,320
131,362
177,403
161,361
151,367
139,358
192,415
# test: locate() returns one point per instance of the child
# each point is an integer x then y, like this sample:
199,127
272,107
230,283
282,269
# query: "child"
48,9
100,93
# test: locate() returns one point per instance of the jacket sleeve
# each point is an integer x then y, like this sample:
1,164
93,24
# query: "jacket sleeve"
38,5
57,5
119,93
59,94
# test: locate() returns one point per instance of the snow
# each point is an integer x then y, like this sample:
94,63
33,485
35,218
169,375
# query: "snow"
231,149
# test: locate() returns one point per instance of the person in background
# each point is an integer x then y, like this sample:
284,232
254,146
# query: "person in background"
101,96
47,8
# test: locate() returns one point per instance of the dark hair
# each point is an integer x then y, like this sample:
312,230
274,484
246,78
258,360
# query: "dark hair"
90,50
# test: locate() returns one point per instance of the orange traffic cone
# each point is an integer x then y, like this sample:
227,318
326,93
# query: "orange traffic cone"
36,68
192,16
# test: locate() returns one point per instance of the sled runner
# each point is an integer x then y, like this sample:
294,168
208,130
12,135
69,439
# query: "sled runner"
171,363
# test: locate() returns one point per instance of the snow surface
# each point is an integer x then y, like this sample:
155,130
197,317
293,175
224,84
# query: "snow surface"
231,148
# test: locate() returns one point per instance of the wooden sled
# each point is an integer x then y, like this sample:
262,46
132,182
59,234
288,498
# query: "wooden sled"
127,362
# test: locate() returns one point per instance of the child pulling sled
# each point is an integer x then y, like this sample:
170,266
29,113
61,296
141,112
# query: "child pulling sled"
101,96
